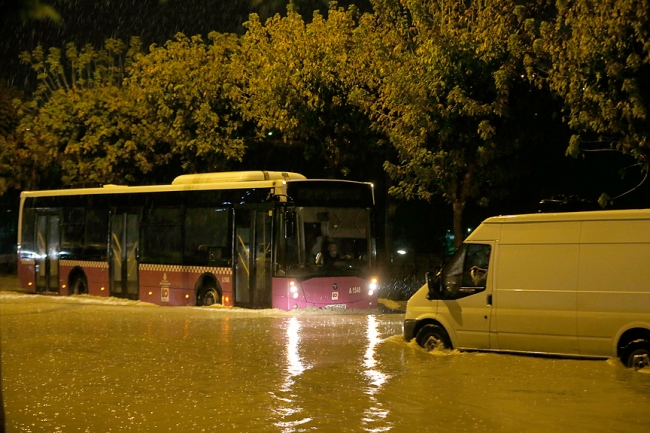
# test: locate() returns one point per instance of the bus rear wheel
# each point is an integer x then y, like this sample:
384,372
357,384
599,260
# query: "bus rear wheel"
432,337
79,286
636,354
209,296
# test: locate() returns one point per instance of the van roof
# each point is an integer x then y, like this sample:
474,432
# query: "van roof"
601,215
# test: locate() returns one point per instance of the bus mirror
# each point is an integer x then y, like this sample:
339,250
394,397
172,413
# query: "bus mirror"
289,224
433,283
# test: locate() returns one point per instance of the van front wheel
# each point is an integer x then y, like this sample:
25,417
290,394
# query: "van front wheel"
432,337
636,354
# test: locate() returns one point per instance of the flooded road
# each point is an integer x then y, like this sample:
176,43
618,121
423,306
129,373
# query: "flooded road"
83,364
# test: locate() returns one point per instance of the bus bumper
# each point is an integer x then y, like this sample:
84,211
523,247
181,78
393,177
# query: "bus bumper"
409,329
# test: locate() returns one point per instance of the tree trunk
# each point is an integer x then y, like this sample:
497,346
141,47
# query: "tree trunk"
458,207
463,189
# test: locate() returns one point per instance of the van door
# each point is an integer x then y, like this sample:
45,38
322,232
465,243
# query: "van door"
467,295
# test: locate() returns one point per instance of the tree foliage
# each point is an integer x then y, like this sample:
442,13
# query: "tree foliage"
294,80
442,85
600,57
190,100
11,158
81,119
118,115
457,88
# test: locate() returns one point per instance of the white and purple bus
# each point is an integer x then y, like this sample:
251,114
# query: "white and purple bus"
252,239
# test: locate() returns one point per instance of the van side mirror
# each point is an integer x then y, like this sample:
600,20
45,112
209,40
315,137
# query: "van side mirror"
433,283
289,224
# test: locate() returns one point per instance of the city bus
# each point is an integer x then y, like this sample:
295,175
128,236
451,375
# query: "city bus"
256,239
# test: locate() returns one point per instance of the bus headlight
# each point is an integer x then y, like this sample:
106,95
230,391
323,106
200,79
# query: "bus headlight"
372,286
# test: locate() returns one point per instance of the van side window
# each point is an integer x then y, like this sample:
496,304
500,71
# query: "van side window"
467,271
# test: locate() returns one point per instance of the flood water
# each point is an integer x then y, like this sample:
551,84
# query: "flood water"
81,364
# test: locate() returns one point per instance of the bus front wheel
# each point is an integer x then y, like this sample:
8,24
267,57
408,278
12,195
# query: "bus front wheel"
636,354
432,337
209,296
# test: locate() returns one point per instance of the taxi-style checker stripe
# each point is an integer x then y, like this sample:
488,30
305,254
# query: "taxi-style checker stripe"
83,264
188,269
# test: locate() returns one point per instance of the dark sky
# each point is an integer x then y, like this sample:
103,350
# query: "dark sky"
155,21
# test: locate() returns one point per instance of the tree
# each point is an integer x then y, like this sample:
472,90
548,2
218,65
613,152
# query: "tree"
191,100
118,115
295,88
81,125
599,53
442,83
10,157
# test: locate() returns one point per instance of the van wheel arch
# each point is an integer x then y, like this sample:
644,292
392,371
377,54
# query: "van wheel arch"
207,290
634,348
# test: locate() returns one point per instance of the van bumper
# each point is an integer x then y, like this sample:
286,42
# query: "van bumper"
409,329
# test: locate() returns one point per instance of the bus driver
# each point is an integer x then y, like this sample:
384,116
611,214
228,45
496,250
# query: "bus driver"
332,255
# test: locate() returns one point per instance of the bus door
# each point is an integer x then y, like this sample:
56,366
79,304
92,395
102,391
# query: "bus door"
253,258
124,237
47,252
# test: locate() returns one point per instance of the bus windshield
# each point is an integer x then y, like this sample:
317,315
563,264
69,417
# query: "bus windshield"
324,241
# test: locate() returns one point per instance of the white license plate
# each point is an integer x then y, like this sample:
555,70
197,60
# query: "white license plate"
336,306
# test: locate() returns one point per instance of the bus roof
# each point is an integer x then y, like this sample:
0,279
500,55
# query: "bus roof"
236,176
188,182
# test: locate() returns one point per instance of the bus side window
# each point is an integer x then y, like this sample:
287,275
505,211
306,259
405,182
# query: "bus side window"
162,236
96,233
206,237
72,236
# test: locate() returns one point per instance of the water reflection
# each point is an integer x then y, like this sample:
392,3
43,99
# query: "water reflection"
376,413
295,365
289,408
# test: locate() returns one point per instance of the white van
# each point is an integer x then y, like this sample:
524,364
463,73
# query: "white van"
570,284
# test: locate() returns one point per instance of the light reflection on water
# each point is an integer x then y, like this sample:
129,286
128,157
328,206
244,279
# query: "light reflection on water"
375,415
81,364
289,408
